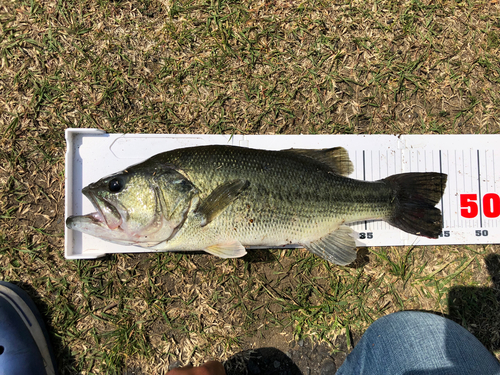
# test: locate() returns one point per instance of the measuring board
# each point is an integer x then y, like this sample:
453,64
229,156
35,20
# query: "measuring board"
470,205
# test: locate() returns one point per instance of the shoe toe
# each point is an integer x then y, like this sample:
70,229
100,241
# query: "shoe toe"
24,346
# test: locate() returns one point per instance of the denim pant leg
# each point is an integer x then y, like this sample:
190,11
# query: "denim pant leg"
416,343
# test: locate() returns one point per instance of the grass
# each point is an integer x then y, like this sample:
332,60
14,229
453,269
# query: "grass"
311,67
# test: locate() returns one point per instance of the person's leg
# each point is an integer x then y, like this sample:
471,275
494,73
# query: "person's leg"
24,345
413,342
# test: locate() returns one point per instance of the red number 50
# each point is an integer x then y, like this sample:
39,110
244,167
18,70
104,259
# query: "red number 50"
469,207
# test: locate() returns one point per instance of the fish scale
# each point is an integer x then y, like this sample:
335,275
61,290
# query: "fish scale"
222,199
287,193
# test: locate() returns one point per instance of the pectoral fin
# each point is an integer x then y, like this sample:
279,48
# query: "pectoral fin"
219,199
232,249
337,247
336,158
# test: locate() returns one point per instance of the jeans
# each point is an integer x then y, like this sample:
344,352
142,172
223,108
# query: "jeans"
415,343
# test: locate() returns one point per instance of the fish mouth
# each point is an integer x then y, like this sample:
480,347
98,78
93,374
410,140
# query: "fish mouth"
78,221
106,213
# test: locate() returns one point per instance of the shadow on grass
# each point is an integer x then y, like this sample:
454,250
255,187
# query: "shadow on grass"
260,256
478,309
267,256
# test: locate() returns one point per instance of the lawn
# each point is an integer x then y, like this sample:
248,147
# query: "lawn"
230,67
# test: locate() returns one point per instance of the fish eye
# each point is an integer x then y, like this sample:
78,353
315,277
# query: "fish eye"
115,185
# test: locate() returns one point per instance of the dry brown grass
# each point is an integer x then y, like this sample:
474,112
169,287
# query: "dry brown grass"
229,67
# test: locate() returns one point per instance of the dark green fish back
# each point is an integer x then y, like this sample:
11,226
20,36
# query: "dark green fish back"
287,191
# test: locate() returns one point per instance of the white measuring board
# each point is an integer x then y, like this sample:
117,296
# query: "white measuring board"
470,205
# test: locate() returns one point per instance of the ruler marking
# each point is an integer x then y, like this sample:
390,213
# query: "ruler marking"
457,198
486,170
372,169
364,179
486,180
441,171
463,171
494,178
449,196
364,171
379,166
495,222
479,186
455,163
494,175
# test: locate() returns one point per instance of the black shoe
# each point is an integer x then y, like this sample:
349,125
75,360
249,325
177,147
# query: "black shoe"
24,342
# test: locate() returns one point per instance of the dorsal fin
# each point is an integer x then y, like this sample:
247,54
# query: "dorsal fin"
337,158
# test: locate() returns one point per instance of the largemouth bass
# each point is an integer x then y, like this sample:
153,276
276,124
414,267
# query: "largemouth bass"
222,199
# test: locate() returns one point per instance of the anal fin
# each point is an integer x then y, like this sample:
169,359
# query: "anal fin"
337,247
231,249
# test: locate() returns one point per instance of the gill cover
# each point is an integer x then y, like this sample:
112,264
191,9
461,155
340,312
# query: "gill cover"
174,194
140,206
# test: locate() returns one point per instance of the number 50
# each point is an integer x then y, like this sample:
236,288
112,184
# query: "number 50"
469,207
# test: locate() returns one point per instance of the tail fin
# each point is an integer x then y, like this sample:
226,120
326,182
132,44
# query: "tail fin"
415,195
